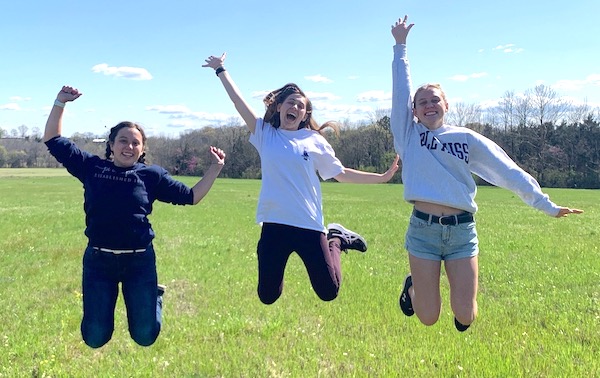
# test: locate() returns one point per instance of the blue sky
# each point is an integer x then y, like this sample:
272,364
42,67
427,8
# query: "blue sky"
141,60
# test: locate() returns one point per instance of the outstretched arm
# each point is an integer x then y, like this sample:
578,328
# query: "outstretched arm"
202,187
54,122
361,177
244,110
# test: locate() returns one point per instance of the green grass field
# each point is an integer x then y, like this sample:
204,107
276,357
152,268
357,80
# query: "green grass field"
539,299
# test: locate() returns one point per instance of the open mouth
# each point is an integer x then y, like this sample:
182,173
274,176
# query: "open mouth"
291,117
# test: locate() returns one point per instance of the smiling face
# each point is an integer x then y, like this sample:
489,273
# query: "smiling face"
127,147
430,106
292,111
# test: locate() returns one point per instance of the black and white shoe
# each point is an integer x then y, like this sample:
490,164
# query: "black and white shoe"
350,239
405,301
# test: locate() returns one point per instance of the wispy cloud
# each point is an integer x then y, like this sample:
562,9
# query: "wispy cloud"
508,48
169,109
374,96
11,106
182,116
461,77
573,85
19,98
322,96
318,79
313,96
132,73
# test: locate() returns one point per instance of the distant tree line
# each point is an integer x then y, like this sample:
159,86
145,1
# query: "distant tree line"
557,143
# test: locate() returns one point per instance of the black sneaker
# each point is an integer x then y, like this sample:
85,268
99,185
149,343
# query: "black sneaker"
460,327
405,301
350,239
160,289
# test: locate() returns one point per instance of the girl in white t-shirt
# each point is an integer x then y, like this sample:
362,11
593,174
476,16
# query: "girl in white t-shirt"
292,151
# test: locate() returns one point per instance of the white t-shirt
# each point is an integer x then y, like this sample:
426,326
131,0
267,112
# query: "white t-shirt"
291,192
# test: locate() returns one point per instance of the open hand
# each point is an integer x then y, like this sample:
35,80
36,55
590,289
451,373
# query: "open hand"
215,62
400,30
564,211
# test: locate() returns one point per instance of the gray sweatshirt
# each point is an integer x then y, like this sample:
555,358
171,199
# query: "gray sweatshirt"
437,164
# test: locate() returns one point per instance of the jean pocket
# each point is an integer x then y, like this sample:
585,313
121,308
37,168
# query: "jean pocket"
467,226
417,222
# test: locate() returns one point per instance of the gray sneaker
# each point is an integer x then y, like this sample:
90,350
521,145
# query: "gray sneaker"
350,239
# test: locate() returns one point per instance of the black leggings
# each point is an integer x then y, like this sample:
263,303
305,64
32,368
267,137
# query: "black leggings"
322,261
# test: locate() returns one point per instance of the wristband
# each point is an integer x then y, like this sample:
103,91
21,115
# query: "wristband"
219,70
59,104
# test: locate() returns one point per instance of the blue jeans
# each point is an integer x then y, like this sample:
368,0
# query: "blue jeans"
102,272
432,241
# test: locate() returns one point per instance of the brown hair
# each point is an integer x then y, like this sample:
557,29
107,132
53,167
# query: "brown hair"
278,96
112,136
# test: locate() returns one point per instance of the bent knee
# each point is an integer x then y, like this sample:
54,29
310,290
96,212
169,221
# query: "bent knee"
465,317
465,313
146,336
268,297
428,319
95,339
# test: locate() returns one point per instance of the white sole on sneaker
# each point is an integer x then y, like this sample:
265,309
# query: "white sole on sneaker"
349,237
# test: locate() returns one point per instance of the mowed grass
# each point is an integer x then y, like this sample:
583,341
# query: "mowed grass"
539,298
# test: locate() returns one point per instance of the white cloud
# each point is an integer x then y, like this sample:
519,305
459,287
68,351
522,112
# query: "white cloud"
182,116
374,96
321,96
503,47
339,112
509,48
574,85
313,96
11,106
181,124
318,79
169,109
133,73
19,98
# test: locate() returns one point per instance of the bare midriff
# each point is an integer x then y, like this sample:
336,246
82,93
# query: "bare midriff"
435,209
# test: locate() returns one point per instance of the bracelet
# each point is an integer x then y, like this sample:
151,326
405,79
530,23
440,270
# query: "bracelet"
59,104
219,70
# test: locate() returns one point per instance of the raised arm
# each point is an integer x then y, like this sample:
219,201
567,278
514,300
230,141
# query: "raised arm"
54,122
402,118
202,187
361,177
244,110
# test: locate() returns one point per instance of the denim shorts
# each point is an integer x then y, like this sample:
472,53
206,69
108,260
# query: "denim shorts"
432,241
